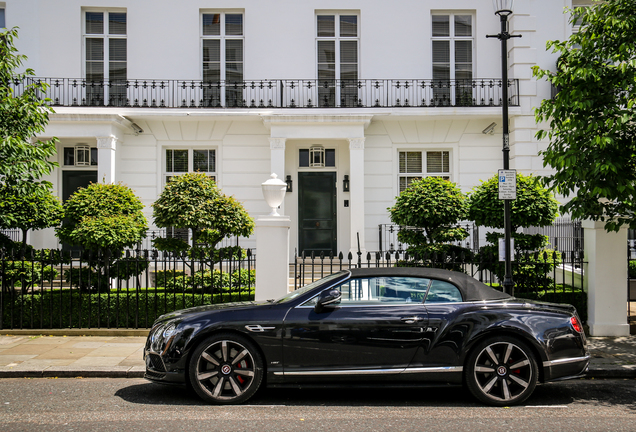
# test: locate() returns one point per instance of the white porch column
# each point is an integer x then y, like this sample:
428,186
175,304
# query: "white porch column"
272,257
277,161
106,147
606,279
356,177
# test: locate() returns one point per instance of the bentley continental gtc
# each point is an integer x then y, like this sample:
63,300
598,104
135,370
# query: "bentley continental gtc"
381,327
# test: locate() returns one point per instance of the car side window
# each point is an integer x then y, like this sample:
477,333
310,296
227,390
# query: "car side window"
443,292
383,290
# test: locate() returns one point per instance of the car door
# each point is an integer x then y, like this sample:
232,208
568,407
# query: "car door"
378,324
444,335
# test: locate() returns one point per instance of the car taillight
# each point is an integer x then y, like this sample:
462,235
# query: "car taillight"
576,324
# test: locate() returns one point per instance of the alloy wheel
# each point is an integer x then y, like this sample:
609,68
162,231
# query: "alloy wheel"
502,372
226,370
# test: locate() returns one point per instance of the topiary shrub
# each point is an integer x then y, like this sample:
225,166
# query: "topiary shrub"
534,206
428,212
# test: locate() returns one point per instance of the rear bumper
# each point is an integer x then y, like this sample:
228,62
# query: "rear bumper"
566,368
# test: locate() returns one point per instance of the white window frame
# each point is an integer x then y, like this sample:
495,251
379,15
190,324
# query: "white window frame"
222,37
78,147
451,38
106,37
424,173
336,38
3,21
190,151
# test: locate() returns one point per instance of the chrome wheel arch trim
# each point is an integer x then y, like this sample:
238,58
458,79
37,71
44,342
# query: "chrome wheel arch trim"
392,371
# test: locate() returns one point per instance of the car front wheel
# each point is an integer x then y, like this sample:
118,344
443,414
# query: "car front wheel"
501,371
226,369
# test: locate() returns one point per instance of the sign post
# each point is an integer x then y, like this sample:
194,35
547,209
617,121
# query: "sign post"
507,184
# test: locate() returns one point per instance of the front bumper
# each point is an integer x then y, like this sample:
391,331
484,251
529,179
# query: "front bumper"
156,370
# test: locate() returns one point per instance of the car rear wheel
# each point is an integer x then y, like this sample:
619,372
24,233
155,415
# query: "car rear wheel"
226,369
501,371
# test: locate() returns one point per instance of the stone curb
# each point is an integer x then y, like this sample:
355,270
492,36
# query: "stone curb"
59,372
76,332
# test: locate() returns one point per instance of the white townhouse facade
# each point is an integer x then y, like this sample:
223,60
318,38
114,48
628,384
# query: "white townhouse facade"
347,100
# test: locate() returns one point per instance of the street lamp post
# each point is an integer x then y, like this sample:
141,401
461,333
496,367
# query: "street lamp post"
503,8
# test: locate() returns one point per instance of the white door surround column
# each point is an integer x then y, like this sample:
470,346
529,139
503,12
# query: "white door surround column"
277,161
356,178
606,279
106,147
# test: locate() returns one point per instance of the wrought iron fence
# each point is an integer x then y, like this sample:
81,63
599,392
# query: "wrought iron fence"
13,234
536,272
287,93
56,289
388,240
147,242
564,235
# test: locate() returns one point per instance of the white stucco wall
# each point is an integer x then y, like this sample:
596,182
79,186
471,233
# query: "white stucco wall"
164,42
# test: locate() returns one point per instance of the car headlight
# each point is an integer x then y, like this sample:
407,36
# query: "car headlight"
169,330
162,334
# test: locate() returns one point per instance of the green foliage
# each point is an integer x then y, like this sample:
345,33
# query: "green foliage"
103,216
26,274
23,159
632,269
193,201
104,219
430,208
94,277
592,132
86,279
28,212
205,281
117,309
535,205
531,271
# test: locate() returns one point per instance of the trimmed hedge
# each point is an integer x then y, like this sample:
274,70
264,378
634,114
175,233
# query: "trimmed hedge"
128,309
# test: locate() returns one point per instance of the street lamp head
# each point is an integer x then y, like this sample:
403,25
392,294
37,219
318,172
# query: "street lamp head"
503,7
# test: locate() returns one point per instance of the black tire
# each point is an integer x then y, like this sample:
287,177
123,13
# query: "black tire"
501,371
226,369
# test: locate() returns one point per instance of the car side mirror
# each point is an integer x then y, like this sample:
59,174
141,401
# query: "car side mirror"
328,299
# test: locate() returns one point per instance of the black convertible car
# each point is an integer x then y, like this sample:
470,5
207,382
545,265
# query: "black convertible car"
362,327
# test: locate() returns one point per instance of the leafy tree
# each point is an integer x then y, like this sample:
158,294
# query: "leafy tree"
23,158
535,206
31,212
431,208
592,129
103,216
104,219
193,201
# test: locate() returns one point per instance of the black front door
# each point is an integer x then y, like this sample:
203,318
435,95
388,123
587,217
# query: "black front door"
317,212
71,181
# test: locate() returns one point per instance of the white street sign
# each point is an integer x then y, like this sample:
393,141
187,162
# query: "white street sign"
507,184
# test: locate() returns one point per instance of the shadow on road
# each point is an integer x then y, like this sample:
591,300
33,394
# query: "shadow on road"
593,392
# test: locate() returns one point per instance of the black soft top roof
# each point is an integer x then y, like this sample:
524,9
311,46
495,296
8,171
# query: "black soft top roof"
471,288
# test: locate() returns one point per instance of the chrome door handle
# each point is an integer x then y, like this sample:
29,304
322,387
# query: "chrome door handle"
412,320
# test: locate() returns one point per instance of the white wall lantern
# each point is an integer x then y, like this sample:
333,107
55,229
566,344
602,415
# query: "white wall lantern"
82,155
274,192
317,156
503,7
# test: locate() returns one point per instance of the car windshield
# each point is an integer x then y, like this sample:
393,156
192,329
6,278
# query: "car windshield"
294,294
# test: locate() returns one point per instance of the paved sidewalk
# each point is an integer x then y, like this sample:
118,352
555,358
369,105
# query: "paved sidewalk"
118,354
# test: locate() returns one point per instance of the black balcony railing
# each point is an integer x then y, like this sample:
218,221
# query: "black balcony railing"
288,93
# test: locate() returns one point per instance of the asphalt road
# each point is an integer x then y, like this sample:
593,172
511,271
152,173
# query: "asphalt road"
135,404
